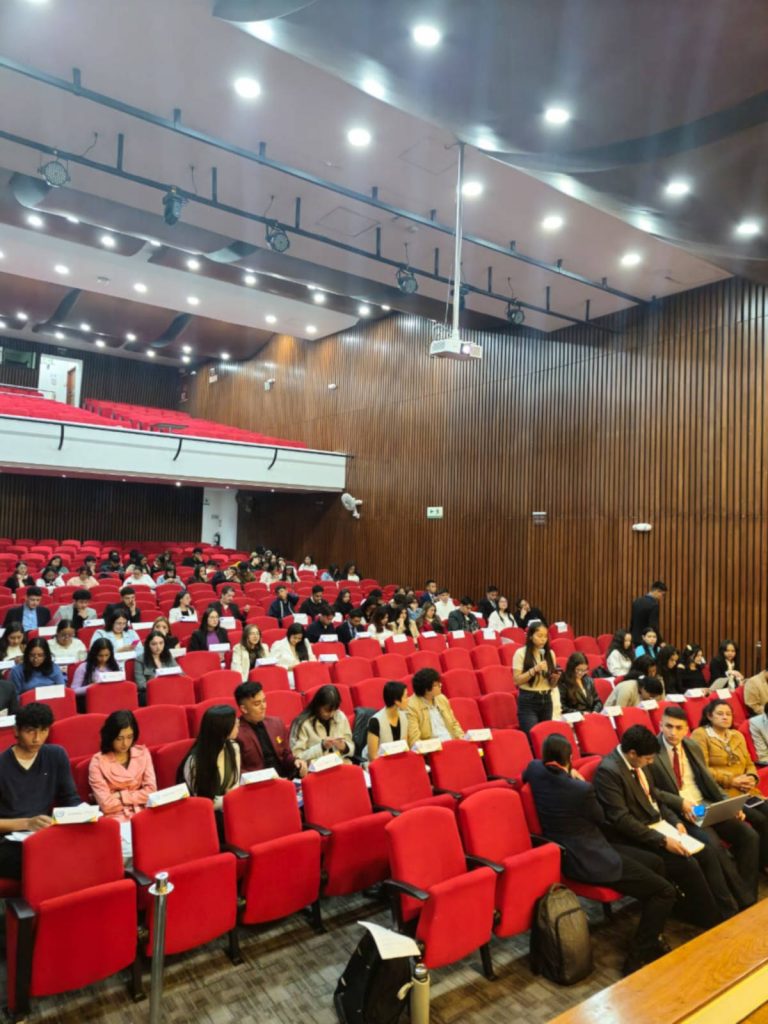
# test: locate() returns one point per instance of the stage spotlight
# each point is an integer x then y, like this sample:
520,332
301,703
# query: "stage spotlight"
515,314
55,173
173,204
277,238
406,281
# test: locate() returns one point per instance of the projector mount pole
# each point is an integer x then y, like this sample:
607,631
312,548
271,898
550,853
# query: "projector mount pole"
457,243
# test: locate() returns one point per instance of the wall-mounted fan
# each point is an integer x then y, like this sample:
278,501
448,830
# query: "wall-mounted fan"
351,504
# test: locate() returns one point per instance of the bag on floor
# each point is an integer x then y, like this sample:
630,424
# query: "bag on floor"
561,947
372,990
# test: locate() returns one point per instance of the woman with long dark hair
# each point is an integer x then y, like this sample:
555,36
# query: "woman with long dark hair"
667,660
690,675
209,632
430,621
13,642
246,654
725,666
212,767
378,627
36,668
577,691
157,654
620,654
183,610
121,776
536,675
322,728
343,603
293,648
101,659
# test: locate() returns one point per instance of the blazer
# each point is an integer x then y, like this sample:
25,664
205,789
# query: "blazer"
756,692
16,611
628,814
645,615
67,611
456,620
586,700
122,790
663,776
346,632
419,723
251,754
570,815
232,610
721,767
486,607
306,739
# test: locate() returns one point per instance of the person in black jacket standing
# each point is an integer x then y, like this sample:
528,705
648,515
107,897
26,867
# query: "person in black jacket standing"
645,612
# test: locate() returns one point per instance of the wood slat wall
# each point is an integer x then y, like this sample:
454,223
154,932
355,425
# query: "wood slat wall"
662,422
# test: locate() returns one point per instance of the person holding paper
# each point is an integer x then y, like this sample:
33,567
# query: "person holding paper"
724,667
683,782
293,648
636,817
343,604
208,633
35,777
156,655
322,625
36,668
263,738
461,618
378,625
322,728
121,776
429,713
535,673
183,610
65,644
577,691
49,580
100,660
400,625
391,723
246,654
212,767
119,632
78,611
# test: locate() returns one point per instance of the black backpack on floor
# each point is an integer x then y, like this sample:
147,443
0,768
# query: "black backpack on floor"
561,948
372,990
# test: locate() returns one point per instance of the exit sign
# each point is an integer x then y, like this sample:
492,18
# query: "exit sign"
434,512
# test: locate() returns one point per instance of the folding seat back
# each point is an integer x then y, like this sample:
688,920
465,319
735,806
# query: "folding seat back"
400,644
467,713
562,649
168,759
460,682
596,735
630,717
541,730
456,658
261,812
347,671
498,710
263,621
183,631
390,666
744,729
170,690
271,636
436,644
493,825
594,662
365,647
587,645
398,780
174,833
161,723
496,679
484,655
368,693
284,704
271,677
308,675
335,795
423,659
459,639
325,648
561,630
604,641
658,712
79,735
507,755
197,663
693,708
104,698
220,683
458,768
740,711
604,688
62,707
529,809
424,850
507,653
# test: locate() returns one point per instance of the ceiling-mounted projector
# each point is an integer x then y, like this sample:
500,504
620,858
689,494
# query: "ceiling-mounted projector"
453,346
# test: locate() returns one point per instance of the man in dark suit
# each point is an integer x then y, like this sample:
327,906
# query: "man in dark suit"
571,816
684,781
631,805
349,628
645,612
31,614
490,602
462,618
263,739
283,604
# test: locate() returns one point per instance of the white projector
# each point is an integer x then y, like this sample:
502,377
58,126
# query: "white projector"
453,346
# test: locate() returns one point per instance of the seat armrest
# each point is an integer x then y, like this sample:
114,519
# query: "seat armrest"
537,840
238,851
450,792
383,807
483,862
142,880
504,778
325,832
20,909
405,888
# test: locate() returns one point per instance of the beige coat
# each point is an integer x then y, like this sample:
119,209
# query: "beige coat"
756,692
419,724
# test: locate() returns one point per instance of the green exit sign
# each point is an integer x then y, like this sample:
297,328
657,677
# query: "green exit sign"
434,512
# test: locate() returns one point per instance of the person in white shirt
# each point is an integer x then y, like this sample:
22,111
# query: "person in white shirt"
501,618
307,565
620,653
139,578
65,644
183,609
758,730
50,580
293,648
444,604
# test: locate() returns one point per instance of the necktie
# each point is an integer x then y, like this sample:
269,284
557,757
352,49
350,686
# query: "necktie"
677,768
638,773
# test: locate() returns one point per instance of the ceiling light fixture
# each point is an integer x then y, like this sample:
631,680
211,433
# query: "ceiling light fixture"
85,327
247,88
311,329
186,348
515,314
386,308
748,228
193,264
150,353
140,287
557,115
270,318
130,336
173,204
225,356
185,359
249,279
552,223
35,221
59,335
56,173
277,238
406,281
72,218
358,137
2,255
319,298
426,35
472,189
262,30
60,268
108,241
678,188
193,300
154,243
374,88
364,310
178,483
100,343
2,325
22,316
630,259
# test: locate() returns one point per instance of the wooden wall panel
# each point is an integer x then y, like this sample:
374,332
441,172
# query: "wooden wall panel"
661,422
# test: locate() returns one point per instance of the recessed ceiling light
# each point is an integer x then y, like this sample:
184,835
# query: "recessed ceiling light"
2,255
630,259
249,279
426,35
193,300
311,329
154,243
35,221
22,316
130,336
319,297
100,343
73,219
2,325
60,268
225,356
472,189
193,264
178,483
374,88
140,288
553,222
678,188
485,142
386,308
262,30
108,241
270,318
59,335
748,228
185,359
85,327
364,310
246,87
151,353
186,348
557,115
358,137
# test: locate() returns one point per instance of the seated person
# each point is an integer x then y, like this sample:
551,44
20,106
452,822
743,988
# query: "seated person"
31,614
127,603
169,575
577,691
246,654
758,730
225,575
667,662
400,624
322,728
208,633
284,604
645,665
462,618
648,644
308,564
629,692
35,777
620,654
322,625
378,625
49,580
212,767
112,564
85,579
444,603
162,625
119,632
78,611
100,659
756,692
430,620
690,675
263,738
9,698
351,628
343,603
500,618
226,606
12,643
65,644
156,654
183,610
430,594
36,668
391,723
121,776
312,605
724,667
428,712
570,815
490,602
293,648
19,578
349,572
195,559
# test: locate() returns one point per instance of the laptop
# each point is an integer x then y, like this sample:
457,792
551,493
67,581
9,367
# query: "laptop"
724,809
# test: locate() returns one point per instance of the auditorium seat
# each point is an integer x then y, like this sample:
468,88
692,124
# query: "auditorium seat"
507,653
346,705
464,642
436,644
498,710
365,647
168,760
587,645
632,716
391,666
484,656
507,755
458,769
496,679
400,782
271,677
467,713
61,707
596,735
284,704
197,663
219,683
603,687
104,698
195,712
160,724
350,670
170,690
423,659
402,645
308,675
460,682
79,734
456,658
368,693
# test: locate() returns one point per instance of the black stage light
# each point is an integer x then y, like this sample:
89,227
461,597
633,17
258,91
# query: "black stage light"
277,237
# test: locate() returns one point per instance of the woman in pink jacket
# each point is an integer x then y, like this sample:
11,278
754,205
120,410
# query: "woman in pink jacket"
121,776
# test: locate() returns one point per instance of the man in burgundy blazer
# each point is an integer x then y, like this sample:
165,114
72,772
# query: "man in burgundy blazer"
263,739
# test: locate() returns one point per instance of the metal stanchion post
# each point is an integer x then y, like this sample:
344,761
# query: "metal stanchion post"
160,890
420,995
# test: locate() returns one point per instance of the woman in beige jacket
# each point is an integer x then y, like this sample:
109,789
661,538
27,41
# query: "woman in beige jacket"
428,712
